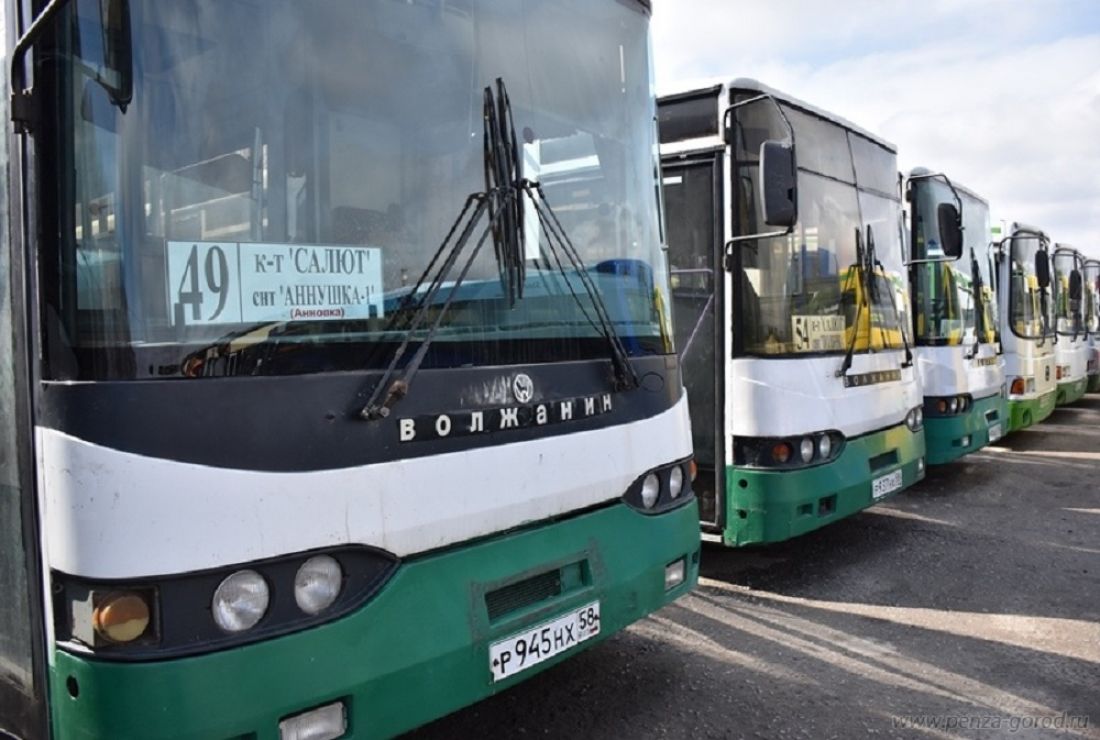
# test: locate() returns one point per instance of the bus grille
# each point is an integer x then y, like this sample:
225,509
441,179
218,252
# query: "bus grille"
522,594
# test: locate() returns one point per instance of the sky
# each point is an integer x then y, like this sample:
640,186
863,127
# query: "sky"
1003,96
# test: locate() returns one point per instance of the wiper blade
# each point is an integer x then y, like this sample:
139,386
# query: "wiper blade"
867,263
502,199
861,293
979,304
623,375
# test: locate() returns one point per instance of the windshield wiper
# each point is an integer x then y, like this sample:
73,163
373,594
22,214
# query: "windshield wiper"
979,304
866,263
502,199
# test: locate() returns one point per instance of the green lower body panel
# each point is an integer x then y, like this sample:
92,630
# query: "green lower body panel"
415,652
1072,391
1094,383
770,506
949,438
1022,413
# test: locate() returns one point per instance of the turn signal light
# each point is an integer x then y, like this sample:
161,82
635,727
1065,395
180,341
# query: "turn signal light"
781,452
121,617
1018,387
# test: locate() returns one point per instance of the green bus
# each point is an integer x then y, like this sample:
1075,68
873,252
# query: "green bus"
792,311
337,379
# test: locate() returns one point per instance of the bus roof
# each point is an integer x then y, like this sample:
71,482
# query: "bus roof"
1015,226
747,83
924,171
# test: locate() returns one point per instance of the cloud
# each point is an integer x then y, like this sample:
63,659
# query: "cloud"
1003,95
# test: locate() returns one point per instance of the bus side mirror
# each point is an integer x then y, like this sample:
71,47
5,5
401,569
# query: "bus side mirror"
778,184
951,232
1042,269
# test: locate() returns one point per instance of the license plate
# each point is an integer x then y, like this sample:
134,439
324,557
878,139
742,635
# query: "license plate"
886,484
995,432
519,652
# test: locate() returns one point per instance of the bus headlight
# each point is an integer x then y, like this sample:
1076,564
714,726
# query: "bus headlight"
675,481
240,601
824,446
317,584
651,489
915,418
806,449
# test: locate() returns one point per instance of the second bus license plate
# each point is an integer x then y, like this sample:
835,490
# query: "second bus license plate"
517,653
886,484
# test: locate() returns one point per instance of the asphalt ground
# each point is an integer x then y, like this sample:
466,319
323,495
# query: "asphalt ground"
966,606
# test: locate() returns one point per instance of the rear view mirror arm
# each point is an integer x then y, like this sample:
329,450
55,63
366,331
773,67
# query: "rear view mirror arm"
21,107
728,125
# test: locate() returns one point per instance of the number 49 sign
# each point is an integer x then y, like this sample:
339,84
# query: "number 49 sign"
201,286
231,282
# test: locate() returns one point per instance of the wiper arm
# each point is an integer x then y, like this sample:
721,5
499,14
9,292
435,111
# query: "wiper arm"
867,263
979,304
872,258
861,293
623,375
502,200
1044,316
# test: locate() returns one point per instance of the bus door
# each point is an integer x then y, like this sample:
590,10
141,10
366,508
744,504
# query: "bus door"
694,202
22,641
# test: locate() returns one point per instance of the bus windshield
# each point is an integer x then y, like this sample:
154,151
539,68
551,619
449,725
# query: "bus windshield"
285,172
948,309
1027,301
1068,320
807,293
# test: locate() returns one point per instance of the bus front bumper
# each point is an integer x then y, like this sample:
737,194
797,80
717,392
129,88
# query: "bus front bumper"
415,652
769,506
1023,412
1072,391
950,437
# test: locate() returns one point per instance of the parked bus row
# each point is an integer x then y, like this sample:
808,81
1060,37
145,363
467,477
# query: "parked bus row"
842,326
342,367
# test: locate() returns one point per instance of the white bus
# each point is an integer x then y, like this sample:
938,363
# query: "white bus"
955,316
1072,352
1092,320
1027,332
792,310
337,384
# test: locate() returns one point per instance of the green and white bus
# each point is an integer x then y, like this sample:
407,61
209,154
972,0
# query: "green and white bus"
1092,321
337,382
1071,352
955,316
1027,332
792,311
